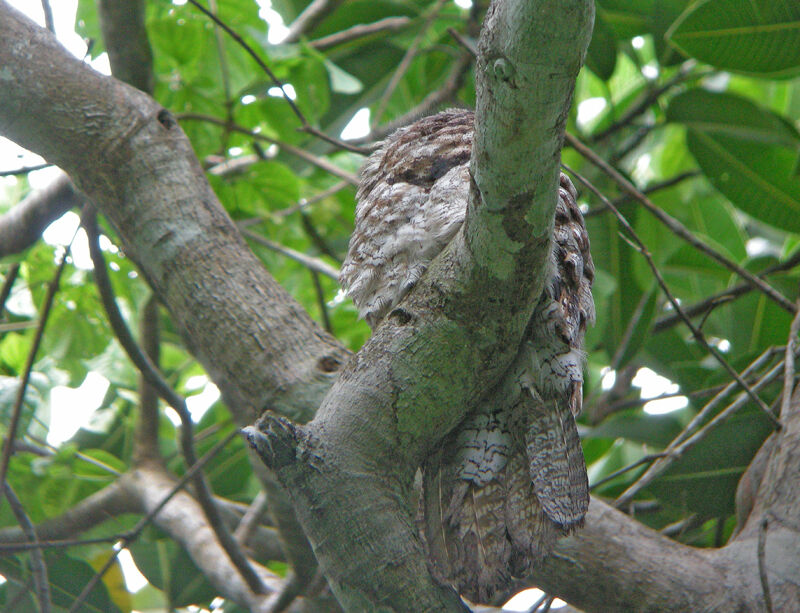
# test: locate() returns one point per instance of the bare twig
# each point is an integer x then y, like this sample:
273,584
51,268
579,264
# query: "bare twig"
684,73
304,203
627,336
678,447
153,376
388,24
727,295
145,443
224,74
675,226
315,12
296,151
433,100
16,411
38,566
404,64
250,519
144,521
696,333
23,171
9,548
321,302
650,189
305,126
643,460
8,283
48,16
309,262
463,41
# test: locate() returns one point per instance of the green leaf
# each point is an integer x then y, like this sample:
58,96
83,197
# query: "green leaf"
703,480
757,37
342,82
169,568
733,116
627,17
748,153
601,58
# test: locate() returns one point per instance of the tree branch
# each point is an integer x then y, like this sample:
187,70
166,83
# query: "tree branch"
23,225
131,158
357,458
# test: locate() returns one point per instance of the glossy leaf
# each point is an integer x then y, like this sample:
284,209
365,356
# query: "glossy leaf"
758,37
748,153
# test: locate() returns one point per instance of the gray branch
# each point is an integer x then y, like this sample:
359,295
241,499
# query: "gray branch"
23,225
263,350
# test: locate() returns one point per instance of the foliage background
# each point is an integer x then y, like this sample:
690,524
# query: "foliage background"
697,103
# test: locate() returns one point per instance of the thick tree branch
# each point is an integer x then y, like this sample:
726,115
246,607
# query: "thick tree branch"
131,158
125,37
23,225
136,165
385,413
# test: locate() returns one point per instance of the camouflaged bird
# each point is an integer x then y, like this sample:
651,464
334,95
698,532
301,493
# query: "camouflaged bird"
510,478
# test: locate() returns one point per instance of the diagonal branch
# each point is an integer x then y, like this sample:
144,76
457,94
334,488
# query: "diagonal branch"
23,225
153,376
677,227
358,457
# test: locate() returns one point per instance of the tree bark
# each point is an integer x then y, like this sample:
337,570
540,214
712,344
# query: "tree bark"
130,157
264,351
350,471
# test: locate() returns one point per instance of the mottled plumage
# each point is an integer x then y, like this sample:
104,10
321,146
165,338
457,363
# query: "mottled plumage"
511,477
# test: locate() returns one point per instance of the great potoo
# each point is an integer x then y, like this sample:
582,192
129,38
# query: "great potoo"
511,477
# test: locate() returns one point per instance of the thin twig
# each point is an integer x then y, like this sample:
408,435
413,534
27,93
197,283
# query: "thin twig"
696,333
321,302
643,460
304,203
463,41
762,566
627,336
144,521
630,143
788,364
48,16
38,566
23,171
224,74
684,442
675,226
724,296
361,30
145,442
8,283
296,151
404,64
309,262
16,411
305,126
318,240
433,100
684,73
251,518
315,12
18,547
712,404
154,377
650,189
251,52
630,403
